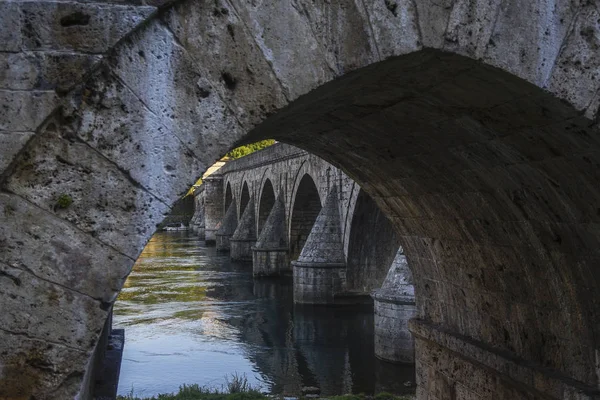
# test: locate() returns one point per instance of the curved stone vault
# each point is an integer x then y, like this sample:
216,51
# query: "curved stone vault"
472,124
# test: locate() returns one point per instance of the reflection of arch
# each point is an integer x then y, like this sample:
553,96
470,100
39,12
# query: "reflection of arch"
372,246
305,208
266,202
228,197
244,198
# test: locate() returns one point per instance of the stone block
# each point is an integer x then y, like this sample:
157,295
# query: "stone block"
44,70
25,111
225,52
72,180
89,28
11,143
121,128
73,260
149,64
10,29
290,39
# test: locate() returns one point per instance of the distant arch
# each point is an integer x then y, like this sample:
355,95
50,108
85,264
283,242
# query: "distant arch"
266,202
306,206
372,246
228,197
244,198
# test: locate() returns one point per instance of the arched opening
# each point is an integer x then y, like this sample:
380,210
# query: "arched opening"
228,198
244,198
373,244
490,180
267,200
305,209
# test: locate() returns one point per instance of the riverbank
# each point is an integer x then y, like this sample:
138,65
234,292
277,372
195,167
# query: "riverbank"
196,392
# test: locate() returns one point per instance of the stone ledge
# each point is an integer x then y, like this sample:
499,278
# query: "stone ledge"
541,380
266,250
377,295
323,265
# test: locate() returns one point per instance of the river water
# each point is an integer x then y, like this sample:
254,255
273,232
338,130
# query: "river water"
193,316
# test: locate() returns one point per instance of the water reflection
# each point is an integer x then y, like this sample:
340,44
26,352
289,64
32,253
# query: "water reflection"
192,316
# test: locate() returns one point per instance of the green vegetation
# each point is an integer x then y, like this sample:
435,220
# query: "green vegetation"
236,153
242,151
64,201
238,388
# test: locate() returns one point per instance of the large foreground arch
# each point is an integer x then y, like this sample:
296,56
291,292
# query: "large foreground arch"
472,126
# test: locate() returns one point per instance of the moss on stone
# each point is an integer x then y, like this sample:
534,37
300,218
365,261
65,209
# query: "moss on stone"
64,201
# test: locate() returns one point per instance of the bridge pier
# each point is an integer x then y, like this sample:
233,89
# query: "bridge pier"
227,229
394,306
213,207
197,222
244,236
270,256
320,271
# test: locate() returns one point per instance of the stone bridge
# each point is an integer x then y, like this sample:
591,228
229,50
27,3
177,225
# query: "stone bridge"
472,124
284,204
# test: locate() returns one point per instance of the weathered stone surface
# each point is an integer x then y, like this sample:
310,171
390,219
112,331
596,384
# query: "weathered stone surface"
11,143
395,26
239,73
28,302
44,70
10,29
530,53
64,256
134,138
576,75
56,166
91,28
23,372
287,43
470,27
25,111
150,63
342,28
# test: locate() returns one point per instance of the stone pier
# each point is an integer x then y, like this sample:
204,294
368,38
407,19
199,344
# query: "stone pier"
197,222
270,256
394,307
244,236
213,207
320,271
227,228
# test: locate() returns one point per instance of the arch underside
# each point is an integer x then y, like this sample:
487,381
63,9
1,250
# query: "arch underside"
267,201
372,246
244,198
490,181
305,209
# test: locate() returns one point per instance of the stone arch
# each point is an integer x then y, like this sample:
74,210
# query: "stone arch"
228,197
305,208
372,246
266,203
473,128
244,197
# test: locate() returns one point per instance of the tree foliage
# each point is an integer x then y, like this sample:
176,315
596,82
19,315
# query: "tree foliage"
242,151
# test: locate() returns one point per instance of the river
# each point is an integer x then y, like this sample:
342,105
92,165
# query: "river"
192,316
